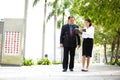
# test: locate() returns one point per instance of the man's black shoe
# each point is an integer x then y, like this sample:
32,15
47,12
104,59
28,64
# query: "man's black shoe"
64,70
71,69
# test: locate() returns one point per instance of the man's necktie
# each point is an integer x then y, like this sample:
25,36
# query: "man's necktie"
71,30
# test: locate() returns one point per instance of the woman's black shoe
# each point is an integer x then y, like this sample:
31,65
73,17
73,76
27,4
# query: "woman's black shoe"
82,69
85,70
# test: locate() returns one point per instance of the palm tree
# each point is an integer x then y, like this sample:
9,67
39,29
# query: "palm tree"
54,13
44,25
25,18
58,10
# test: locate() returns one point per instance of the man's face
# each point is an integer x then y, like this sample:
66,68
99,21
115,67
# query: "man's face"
71,21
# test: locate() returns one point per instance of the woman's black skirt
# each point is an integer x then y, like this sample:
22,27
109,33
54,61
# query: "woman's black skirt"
87,47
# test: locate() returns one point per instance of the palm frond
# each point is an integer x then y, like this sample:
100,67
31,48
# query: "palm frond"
51,14
50,4
59,11
54,9
35,2
59,23
55,3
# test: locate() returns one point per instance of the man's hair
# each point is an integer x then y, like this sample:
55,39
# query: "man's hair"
70,17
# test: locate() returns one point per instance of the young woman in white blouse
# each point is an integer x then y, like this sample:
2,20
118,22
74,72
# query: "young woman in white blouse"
87,46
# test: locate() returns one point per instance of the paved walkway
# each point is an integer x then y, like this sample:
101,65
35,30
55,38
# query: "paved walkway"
54,72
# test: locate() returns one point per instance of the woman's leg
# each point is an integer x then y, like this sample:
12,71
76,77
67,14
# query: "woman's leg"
88,63
83,61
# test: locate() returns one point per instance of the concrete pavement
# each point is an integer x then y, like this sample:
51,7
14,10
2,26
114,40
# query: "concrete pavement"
54,72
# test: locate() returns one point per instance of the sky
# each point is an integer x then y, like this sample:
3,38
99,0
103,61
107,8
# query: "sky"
11,9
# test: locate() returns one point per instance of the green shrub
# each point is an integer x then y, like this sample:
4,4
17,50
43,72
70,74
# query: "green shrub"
56,63
43,62
113,62
118,62
108,63
28,62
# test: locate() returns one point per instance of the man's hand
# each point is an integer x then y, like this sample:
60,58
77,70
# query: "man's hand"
61,45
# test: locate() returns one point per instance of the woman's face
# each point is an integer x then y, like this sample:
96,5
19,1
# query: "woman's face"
86,23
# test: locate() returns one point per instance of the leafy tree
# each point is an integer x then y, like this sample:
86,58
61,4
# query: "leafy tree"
105,14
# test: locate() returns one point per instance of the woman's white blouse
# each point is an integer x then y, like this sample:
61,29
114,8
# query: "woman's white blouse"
89,32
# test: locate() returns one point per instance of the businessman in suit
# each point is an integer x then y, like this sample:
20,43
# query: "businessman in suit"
69,40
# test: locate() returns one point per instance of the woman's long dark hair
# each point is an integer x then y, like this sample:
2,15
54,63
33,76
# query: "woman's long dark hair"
88,20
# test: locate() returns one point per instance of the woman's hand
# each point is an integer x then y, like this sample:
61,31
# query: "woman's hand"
81,30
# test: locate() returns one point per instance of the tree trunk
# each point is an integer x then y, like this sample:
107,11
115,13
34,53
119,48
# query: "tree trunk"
112,50
55,21
44,25
25,20
117,51
105,55
118,44
63,16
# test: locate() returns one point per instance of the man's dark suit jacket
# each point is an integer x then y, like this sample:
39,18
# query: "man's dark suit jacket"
65,37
